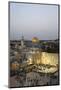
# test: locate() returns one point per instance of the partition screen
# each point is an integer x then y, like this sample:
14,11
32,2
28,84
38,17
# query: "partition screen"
33,44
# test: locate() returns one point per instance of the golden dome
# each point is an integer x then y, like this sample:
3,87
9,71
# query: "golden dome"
35,40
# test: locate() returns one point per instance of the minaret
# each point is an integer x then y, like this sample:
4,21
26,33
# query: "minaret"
22,41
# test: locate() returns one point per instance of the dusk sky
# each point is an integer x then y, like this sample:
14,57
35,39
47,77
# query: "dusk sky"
33,20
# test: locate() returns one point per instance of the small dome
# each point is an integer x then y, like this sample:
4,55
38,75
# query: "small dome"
35,40
15,66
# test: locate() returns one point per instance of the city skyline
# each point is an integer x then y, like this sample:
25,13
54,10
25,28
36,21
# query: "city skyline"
33,20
